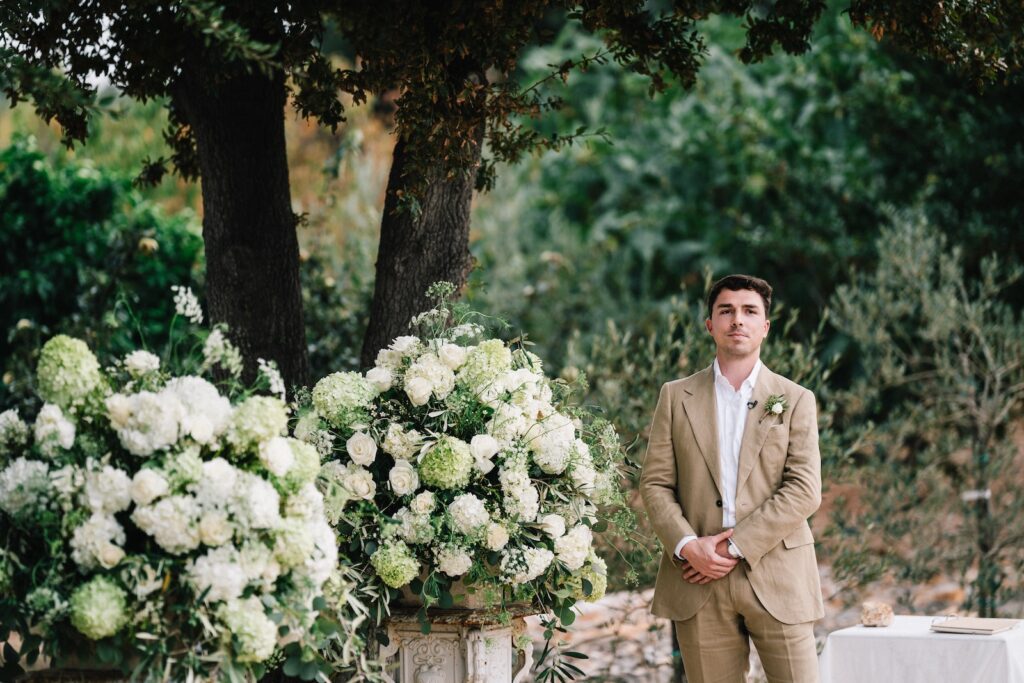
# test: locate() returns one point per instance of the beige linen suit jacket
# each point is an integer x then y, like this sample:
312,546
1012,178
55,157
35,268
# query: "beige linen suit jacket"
778,487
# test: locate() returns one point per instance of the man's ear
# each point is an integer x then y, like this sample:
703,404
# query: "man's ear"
707,325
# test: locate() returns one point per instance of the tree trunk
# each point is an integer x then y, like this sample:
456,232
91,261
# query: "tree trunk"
252,253
416,251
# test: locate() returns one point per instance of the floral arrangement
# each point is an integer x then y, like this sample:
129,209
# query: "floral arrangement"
161,522
455,466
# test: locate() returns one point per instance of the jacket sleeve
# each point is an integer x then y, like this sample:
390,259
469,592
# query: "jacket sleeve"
658,478
796,498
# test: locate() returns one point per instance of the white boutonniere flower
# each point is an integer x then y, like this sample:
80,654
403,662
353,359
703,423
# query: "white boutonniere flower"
775,405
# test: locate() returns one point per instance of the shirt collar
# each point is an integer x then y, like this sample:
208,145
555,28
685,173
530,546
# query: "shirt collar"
748,383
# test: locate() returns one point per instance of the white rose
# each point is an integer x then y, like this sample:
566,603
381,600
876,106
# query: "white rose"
119,410
214,529
359,482
452,355
380,377
418,390
778,408
553,525
423,503
110,555
403,478
361,448
147,486
497,536
276,455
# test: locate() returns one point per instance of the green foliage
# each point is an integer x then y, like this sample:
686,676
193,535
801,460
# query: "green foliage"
82,254
780,169
939,388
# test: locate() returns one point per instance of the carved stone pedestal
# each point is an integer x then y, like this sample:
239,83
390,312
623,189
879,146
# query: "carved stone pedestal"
463,646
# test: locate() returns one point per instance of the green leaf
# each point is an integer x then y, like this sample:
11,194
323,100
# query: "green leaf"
292,666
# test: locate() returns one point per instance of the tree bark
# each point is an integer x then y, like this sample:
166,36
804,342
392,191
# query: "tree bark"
252,253
417,251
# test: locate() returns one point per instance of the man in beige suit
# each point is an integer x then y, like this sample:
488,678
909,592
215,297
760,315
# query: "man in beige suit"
731,475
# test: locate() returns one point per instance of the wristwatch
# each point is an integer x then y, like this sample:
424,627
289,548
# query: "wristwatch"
734,552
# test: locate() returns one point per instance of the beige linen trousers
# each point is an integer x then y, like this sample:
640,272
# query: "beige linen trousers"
774,595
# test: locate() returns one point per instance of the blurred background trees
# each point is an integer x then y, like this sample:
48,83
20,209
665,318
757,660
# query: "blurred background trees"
837,175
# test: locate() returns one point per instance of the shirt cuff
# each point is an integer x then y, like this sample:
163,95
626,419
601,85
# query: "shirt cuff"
679,546
742,557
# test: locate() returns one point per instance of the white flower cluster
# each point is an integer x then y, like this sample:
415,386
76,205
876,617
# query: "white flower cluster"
53,431
219,351
140,362
24,486
13,432
187,305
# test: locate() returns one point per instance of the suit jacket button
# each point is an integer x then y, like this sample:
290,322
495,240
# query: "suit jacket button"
718,503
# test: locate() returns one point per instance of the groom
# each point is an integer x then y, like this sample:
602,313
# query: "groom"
731,475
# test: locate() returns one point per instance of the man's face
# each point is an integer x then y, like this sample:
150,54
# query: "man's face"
738,323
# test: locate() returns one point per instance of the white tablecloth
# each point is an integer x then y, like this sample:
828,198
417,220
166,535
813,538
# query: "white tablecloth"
908,652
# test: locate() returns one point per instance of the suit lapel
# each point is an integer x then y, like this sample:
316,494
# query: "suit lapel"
700,404
755,430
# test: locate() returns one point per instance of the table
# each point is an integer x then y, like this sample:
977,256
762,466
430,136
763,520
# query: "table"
908,652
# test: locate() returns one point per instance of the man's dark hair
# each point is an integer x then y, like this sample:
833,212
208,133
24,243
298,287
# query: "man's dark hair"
735,283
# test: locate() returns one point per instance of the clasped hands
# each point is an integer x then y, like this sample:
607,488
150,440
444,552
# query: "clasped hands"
707,558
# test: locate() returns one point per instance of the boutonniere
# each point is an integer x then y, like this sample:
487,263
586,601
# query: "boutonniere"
775,405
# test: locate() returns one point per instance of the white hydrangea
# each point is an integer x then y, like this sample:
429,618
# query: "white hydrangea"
256,504
468,514
276,455
145,422
24,485
423,503
258,563
453,560
361,448
523,505
53,431
407,346
319,564
574,547
215,528
97,542
582,471
307,503
552,442
219,574
524,565
403,478
507,424
147,485
13,432
250,627
173,522
496,537
308,429
293,542
67,482
430,368
140,362
402,443
108,490
413,527
217,484
206,414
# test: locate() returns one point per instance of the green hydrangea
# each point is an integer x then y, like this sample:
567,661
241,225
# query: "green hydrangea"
99,608
594,571
447,465
252,633
343,397
257,419
184,468
67,371
395,564
293,542
305,468
484,363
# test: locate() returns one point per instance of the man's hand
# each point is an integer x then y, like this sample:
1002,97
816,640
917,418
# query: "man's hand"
708,558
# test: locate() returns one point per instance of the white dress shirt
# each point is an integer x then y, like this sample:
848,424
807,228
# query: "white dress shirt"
731,412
